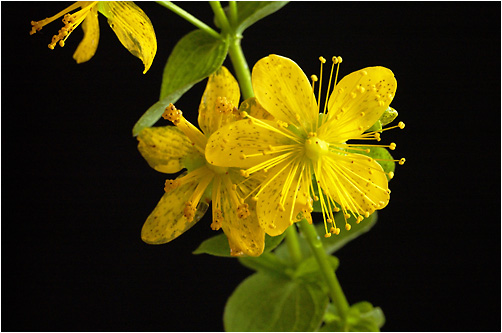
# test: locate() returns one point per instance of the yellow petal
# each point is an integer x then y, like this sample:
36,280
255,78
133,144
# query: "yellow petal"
229,145
164,148
245,236
254,109
133,28
282,89
221,86
357,183
89,44
357,102
167,221
273,217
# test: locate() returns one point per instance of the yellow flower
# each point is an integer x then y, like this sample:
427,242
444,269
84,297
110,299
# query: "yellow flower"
170,149
128,21
304,152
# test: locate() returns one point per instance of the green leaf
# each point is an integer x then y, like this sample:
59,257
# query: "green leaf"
268,263
218,245
196,56
270,303
250,12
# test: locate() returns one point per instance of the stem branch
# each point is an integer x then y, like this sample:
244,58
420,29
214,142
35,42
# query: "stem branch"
190,18
293,245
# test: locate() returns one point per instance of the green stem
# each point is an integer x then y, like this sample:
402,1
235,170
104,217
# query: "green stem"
190,18
336,292
232,12
241,68
293,245
220,16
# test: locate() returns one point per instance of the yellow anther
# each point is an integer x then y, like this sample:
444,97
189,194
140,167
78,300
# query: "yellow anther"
328,235
314,78
347,226
391,175
359,219
242,156
401,161
377,136
401,125
339,59
244,173
217,220
337,231
322,60
244,114
172,114
243,211
223,105
316,198
392,146
189,211
366,214
171,184
353,94
332,230
254,198
347,216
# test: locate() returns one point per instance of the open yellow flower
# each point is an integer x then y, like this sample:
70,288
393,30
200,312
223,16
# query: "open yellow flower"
170,149
305,151
128,21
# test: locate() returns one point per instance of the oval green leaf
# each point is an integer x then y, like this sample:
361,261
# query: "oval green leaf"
218,245
270,303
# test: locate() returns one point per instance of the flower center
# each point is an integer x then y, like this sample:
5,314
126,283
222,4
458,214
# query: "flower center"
315,148
216,169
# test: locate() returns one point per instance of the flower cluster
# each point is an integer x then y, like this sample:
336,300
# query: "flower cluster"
264,170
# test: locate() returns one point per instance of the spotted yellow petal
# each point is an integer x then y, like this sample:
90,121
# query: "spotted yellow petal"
357,102
254,109
282,89
243,143
245,236
167,221
357,183
283,198
89,44
164,148
132,27
216,108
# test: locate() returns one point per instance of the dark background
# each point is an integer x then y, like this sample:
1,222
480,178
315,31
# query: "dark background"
76,191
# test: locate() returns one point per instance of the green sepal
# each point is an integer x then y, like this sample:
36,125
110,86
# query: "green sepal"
196,56
376,127
388,116
218,245
272,303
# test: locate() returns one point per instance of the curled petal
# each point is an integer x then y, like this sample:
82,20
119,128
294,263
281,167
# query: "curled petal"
222,94
282,89
164,148
133,28
357,102
89,44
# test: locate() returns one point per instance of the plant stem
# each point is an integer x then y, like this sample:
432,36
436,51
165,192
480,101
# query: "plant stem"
220,16
190,18
293,245
232,12
336,292
241,68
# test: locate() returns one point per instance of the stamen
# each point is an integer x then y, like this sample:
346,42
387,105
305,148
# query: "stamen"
243,211
171,184
172,114
217,219
322,60
314,80
189,211
175,115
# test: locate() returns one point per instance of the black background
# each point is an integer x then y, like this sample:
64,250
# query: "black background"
76,191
